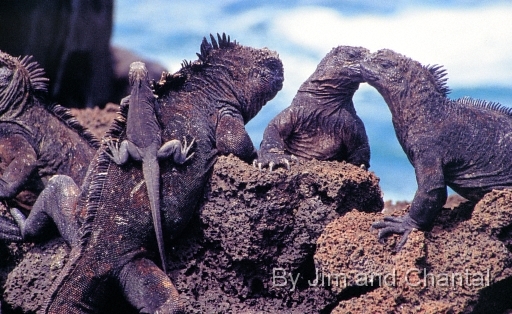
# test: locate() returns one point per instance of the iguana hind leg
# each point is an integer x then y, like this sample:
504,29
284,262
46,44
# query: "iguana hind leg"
118,151
178,151
148,288
55,203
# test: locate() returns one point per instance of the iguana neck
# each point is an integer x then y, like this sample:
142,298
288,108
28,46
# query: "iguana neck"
330,93
220,90
417,104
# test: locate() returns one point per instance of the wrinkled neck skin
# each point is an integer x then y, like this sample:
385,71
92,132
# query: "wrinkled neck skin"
218,86
15,99
334,93
412,103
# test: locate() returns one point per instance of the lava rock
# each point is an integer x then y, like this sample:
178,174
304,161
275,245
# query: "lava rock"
252,228
461,266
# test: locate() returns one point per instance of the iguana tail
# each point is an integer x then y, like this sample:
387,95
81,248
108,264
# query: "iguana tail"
151,171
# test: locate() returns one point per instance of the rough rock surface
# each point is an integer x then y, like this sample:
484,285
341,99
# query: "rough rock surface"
461,266
250,223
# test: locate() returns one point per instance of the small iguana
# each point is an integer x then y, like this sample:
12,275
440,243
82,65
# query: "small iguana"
144,143
464,144
321,122
37,138
208,100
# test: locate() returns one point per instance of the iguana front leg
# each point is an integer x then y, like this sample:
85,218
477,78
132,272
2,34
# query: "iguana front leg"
232,138
272,148
428,200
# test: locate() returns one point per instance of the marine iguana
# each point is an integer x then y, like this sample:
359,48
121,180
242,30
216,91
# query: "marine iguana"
464,144
37,138
321,122
144,143
208,100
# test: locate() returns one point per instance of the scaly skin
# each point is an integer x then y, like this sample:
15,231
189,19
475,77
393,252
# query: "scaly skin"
208,100
464,144
321,122
37,139
144,143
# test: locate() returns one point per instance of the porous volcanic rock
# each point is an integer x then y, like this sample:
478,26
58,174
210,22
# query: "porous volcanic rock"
463,265
253,230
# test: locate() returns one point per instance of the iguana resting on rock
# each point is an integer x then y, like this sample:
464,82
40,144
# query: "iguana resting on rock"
208,100
321,122
37,140
464,144
144,143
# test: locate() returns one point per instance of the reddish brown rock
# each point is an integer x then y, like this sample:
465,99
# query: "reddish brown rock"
451,269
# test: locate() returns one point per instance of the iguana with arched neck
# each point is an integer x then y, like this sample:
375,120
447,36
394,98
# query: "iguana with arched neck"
464,144
321,122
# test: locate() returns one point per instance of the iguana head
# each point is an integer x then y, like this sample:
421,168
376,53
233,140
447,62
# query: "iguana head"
341,66
138,74
19,80
253,75
395,75
242,77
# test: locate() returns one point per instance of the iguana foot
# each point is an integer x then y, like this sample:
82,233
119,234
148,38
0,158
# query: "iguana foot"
115,151
9,231
395,225
179,152
272,160
186,148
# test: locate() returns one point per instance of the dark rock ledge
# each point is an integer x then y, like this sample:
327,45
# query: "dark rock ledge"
260,239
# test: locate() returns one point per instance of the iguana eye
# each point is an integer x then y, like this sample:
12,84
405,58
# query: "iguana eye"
352,55
5,76
386,64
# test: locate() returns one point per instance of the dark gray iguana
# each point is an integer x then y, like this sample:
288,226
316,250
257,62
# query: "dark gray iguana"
208,100
144,143
37,139
321,122
464,144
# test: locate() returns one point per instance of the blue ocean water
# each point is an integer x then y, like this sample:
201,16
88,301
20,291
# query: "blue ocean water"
171,31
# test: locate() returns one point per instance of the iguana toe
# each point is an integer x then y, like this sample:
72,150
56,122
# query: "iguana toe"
186,149
274,160
395,225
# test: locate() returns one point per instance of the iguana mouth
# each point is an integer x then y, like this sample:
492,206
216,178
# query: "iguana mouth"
355,72
367,74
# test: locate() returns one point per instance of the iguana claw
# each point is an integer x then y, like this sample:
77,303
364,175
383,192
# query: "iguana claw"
113,146
395,225
186,148
272,160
